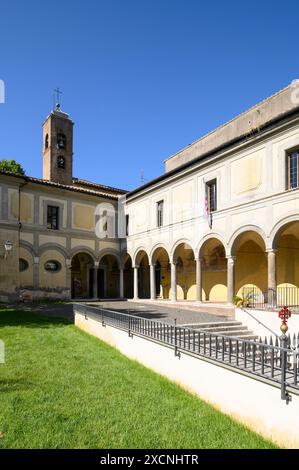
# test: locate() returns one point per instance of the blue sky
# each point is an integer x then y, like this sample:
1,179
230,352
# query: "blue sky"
140,78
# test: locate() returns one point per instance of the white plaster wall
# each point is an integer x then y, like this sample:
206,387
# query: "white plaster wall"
249,401
264,203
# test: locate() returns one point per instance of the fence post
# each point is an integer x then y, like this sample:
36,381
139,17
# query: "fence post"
129,327
176,352
103,322
283,366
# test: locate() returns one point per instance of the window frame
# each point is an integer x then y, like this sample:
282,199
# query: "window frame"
160,213
289,155
209,185
50,217
54,262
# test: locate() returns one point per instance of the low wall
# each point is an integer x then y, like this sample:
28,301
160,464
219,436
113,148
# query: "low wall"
249,401
258,320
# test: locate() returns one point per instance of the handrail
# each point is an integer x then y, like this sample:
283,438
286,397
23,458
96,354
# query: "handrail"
260,322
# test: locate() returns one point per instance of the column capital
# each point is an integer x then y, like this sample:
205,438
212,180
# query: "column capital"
135,266
36,260
271,250
96,264
231,258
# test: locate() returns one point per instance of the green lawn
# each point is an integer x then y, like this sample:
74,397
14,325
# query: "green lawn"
61,388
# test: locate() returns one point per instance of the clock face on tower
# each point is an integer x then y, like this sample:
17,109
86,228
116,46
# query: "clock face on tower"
61,162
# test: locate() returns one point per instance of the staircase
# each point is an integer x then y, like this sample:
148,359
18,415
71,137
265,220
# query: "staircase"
227,328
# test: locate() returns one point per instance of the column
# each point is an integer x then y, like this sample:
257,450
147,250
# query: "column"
68,265
271,296
135,282
153,281
95,280
230,279
198,280
36,272
272,269
121,282
173,282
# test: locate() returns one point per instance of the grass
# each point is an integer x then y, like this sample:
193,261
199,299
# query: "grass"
61,388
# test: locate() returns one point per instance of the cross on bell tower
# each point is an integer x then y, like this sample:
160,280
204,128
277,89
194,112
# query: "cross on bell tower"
58,145
58,92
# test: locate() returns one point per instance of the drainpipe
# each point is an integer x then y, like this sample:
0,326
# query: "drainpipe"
19,226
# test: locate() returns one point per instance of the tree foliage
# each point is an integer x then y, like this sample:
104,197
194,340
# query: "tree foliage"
11,166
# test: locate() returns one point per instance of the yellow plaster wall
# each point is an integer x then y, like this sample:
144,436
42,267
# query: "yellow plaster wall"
214,285
247,173
82,242
26,208
13,204
83,217
287,264
43,239
182,202
26,277
251,267
49,279
27,237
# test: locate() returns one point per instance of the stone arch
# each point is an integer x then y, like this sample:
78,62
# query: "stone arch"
112,252
213,270
160,260
53,246
55,281
141,260
279,227
248,247
26,253
246,228
109,275
154,251
137,254
127,265
182,241
183,256
83,249
285,242
213,235
82,274
29,248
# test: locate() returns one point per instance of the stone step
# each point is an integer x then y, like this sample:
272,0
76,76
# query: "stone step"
249,336
222,329
211,324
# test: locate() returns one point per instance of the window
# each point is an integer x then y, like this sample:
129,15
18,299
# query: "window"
211,196
61,141
61,162
23,265
127,225
292,170
52,266
53,217
47,141
160,206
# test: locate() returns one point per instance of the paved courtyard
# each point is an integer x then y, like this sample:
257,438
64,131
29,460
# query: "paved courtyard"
182,313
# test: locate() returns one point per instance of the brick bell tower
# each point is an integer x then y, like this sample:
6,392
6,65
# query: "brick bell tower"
58,147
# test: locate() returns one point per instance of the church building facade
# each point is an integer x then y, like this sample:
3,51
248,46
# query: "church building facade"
223,218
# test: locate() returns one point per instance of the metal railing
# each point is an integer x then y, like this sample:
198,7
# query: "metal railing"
266,360
271,298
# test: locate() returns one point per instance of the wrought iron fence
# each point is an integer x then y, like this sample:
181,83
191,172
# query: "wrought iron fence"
272,360
271,298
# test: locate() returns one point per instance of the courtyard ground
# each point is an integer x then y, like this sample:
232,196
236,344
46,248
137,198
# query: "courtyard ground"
61,388
154,311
